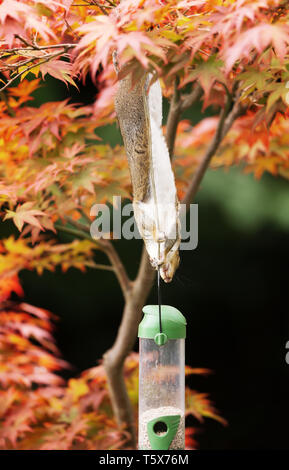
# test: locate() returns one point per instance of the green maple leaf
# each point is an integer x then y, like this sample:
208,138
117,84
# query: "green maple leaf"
255,78
85,179
207,72
278,91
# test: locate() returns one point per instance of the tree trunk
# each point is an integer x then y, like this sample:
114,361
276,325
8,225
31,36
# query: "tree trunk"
114,358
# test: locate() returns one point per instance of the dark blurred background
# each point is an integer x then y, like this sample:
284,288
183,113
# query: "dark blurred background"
233,290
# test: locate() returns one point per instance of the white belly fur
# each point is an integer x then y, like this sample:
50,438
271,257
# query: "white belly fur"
158,216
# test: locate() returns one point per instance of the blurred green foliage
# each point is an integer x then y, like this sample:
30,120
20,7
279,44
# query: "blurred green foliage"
247,203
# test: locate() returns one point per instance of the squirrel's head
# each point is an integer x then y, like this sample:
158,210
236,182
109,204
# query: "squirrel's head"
167,258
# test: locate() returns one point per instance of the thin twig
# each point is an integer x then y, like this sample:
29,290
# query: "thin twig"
18,75
38,48
78,225
74,232
18,64
111,3
104,267
22,40
101,7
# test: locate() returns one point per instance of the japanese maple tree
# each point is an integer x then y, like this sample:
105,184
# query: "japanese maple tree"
230,55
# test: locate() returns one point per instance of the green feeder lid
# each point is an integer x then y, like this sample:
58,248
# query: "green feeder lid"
173,323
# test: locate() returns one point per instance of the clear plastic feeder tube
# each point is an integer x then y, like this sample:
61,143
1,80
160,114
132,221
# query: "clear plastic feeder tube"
162,379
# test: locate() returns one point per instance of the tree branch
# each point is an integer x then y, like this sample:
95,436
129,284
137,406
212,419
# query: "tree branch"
120,271
82,231
192,98
225,122
178,105
173,120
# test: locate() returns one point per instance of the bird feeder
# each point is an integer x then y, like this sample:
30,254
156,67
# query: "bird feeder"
162,378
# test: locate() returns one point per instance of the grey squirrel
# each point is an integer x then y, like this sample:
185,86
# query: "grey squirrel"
156,206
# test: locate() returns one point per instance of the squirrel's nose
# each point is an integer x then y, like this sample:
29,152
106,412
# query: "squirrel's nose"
166,276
